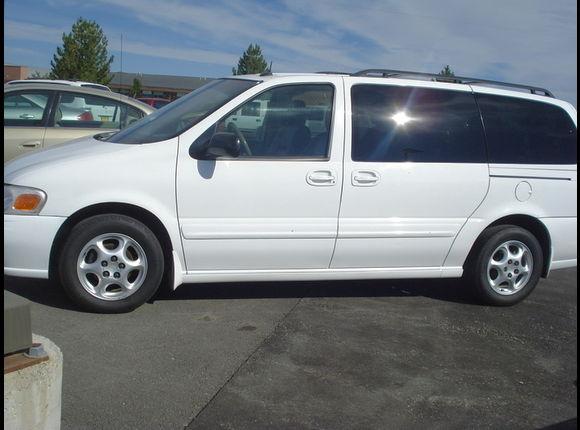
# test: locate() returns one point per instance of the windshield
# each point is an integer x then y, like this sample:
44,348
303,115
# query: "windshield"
184,113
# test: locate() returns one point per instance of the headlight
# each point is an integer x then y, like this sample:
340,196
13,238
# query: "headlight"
23,200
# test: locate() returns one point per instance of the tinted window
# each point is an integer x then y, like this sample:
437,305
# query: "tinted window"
131,115
395,124
183,113
25,108
527,132
277,123
87,111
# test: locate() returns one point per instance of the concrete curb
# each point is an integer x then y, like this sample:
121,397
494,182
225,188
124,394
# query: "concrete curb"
32,396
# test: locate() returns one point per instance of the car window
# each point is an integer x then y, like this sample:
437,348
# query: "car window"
286,121
398,124
183,113
130,115
25,108
527,132
87,111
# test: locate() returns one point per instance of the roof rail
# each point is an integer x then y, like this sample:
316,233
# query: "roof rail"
387,73
333,73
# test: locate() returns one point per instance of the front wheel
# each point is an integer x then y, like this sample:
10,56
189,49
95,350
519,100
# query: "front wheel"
506,265
111,264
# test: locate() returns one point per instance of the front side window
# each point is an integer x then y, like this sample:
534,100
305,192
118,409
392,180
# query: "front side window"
283,122
527,132
183,113
410,124
25,108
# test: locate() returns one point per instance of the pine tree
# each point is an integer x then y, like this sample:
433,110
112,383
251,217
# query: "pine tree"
446,71
136,88
251,62
83,55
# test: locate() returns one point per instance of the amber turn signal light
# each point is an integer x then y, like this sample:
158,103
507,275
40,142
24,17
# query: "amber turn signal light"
27,202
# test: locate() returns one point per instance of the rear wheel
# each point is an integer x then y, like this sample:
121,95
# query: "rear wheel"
506,265
111,264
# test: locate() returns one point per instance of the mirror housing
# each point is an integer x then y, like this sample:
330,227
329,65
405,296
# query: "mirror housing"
220,145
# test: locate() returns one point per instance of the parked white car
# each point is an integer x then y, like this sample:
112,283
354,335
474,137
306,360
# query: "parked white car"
404,178
37,116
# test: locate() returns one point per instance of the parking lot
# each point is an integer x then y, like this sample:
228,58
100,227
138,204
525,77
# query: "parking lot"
372,354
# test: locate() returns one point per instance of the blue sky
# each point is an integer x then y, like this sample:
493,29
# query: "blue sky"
526,41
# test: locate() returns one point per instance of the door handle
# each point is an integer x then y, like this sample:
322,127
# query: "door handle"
30,145
27,116
365,178
321,178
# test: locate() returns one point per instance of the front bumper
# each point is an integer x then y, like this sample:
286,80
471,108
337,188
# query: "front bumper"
28,240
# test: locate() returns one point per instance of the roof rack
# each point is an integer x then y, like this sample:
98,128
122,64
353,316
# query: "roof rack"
386,73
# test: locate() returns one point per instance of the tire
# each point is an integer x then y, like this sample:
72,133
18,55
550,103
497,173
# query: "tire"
111,264
487,277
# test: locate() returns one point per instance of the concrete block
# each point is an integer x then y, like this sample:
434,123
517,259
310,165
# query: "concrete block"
32,396
17,325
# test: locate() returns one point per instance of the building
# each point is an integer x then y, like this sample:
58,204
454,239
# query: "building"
165,86
13,72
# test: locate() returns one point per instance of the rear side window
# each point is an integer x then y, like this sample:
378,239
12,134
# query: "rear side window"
527,132
87,111
398,124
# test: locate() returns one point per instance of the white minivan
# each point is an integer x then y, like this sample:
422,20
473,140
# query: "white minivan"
404,175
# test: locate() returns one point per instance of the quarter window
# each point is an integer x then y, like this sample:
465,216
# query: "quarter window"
290,121
523,131
25,109
398,124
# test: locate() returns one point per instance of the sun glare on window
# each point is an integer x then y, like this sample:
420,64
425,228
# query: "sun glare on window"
401,118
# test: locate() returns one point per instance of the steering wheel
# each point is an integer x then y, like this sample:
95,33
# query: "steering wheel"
243,144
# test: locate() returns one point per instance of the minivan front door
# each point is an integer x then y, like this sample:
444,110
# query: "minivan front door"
415,171
275,206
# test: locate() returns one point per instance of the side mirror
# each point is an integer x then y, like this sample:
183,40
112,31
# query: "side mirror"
221,145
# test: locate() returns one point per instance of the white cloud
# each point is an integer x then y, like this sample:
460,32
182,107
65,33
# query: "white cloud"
41,33
34,32
186,54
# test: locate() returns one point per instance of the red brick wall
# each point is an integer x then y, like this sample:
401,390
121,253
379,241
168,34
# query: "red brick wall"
12,73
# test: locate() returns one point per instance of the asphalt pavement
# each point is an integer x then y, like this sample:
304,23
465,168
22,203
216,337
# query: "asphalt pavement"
317,355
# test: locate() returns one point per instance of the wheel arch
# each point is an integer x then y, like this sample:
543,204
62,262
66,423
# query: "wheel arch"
136,212
533,225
